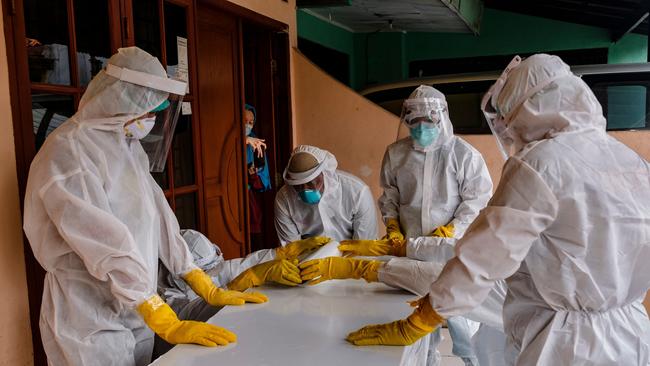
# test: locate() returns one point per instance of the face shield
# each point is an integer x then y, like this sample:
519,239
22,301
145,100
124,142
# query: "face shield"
422,119
158,141
497,120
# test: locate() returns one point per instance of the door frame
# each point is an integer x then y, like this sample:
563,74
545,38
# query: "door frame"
247,16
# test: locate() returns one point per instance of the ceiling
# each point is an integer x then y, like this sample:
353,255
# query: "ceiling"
619,16
367,16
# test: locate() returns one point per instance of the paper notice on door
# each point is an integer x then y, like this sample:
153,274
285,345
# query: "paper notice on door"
182,72
186,108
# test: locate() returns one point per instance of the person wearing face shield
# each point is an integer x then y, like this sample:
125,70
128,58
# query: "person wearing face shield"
319,200
568,227
263,266
98,223
434,184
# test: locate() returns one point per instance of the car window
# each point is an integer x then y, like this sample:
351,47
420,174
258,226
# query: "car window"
624,98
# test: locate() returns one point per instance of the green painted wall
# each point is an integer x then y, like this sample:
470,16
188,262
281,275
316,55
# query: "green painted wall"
385,57
331,36
632,48
324,33
506,33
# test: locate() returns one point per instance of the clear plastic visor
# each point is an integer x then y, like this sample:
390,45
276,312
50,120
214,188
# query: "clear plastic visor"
157,143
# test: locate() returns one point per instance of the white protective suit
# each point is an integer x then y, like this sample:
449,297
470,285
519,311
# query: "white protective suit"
98,224
345,211
568,225
427,187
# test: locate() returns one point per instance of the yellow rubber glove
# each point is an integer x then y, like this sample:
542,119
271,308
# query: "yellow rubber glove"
337,268
403,332
164,322
299,247
202,284
444,231
393,231
373,247
279,271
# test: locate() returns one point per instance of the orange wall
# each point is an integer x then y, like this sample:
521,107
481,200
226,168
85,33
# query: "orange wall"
15,332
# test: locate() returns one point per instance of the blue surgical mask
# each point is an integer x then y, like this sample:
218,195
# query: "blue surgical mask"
424,135
249,129
310,196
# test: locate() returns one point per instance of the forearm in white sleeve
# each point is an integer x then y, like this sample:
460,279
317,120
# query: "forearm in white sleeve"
389,199
430,249
173,251
408,274
497,242
475,189
416,277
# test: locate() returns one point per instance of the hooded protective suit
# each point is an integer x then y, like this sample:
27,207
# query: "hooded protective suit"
345,211
568,225
444,183
98,224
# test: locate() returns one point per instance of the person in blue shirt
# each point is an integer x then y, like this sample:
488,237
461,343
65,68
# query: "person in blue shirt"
257,165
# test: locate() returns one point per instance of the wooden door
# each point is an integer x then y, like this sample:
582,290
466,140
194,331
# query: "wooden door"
266,83
221,130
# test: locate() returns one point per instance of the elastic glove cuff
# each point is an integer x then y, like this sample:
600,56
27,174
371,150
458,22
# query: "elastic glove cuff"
393,230
445,231
247,279
370,272
157,315
424,317
399,247
201,283
281,253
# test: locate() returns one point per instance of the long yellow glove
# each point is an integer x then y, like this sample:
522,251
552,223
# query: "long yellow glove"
403,332
337,268
393,231
164,322
444,231
280,271
202,284
373,247
300,247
